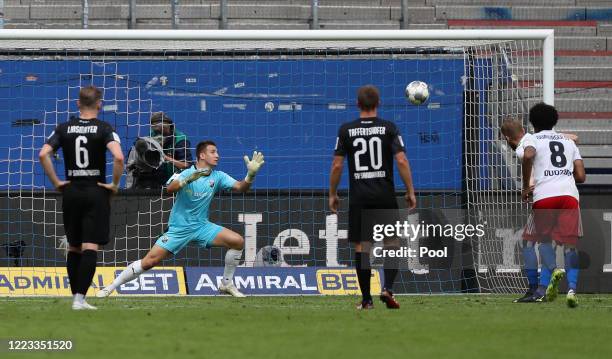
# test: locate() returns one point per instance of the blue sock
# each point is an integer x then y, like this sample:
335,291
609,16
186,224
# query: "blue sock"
571,267
549,263
531,264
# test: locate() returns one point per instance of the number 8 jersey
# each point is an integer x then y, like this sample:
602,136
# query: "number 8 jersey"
83,144
554,165
369,145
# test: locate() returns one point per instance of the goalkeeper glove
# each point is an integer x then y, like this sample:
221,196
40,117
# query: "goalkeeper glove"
253,165
199,173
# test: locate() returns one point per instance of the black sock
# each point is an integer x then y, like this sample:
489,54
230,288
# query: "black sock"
362,266
391,266
73,261
87,269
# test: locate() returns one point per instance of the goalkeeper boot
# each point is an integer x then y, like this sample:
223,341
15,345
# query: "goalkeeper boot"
553,287
365,305
386,296
572,301
82,306
230,288
103,293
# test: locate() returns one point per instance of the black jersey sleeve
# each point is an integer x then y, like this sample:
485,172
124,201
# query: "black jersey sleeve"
341,142
397,144
110,135
55,139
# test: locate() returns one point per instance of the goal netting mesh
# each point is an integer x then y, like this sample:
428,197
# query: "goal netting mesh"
286,99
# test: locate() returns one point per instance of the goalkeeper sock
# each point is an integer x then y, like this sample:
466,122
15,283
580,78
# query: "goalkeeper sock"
362,266
571,267
391,266
73,261
130,273
87,269
232,259
531,264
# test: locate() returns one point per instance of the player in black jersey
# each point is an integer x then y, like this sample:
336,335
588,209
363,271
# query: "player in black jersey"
85,195
370,144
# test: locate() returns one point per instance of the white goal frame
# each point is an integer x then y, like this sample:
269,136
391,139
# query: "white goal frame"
547,36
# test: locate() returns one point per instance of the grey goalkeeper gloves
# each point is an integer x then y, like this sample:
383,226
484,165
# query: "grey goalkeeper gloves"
253,165
202,172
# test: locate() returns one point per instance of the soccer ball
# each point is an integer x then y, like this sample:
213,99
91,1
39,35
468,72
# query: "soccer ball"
417,92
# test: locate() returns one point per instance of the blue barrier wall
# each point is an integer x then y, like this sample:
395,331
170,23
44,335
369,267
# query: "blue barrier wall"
289,109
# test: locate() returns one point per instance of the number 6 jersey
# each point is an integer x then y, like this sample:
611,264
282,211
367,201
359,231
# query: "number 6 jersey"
369,145
554,165
83,144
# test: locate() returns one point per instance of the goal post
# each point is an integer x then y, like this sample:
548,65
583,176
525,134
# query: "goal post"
284,92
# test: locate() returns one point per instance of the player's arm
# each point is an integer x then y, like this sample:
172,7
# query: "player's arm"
182,179
114,146
335,175
45,160
253,166
403,166
579,172
527,168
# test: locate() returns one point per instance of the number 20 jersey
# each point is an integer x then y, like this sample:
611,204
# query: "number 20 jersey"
369,145
83,144
554,165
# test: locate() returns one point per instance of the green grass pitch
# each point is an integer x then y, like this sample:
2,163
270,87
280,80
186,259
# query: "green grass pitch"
477,326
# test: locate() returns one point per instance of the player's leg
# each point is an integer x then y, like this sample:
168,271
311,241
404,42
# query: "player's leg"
391,267
362,256
530,261
153,258
571,270
95,231
567,232
72,229
234,243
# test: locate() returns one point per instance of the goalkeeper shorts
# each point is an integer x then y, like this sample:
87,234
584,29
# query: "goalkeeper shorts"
178,237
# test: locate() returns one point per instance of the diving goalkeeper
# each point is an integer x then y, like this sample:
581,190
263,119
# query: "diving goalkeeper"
195,188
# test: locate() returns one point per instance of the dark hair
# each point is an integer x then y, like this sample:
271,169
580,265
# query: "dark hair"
160,117
201,147
89,96
543,117
368,98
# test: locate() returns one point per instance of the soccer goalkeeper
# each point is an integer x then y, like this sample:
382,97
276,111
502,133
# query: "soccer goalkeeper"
195,188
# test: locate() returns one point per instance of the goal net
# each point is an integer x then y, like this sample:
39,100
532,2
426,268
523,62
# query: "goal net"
287,98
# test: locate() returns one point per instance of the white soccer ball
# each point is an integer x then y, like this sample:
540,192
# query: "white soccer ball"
417,92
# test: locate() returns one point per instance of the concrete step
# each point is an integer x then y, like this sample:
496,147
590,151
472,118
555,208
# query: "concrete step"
267,24
584,124
599,179
604,29
590,104
583,73
593,43
584,60
511,13
567,31
595,150
597,162
502,2
347,25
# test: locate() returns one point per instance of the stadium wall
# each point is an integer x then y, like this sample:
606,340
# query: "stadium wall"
308,236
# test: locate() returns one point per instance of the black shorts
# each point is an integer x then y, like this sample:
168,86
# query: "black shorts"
86,214
361,224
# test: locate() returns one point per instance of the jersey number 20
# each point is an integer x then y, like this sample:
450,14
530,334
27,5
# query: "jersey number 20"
375,147
82,155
